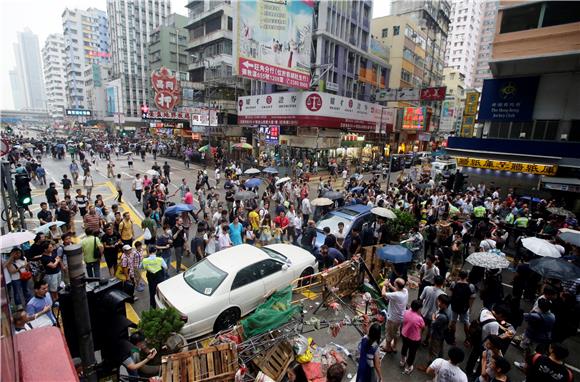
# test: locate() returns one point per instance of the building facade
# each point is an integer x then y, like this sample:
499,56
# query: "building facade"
464,37
96,77
131,24
86,37
27,79
482,70
54,60
452,109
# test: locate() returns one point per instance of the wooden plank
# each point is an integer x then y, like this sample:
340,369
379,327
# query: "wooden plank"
183,369
197,368
210,365
175,371
165,372
190,374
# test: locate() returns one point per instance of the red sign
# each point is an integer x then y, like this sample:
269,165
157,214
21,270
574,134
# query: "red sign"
313,102
415,118
166,87
273,74
433,94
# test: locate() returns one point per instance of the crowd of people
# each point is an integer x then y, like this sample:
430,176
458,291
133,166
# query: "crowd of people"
200,218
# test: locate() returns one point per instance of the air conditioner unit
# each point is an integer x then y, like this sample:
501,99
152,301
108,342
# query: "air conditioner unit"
522,135
563,137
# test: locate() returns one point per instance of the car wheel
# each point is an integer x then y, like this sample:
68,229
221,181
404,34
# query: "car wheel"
226,319
307,272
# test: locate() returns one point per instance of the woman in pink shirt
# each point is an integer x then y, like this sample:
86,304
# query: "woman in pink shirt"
412,325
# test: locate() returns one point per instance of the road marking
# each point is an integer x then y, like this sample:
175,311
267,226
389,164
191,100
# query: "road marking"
132,314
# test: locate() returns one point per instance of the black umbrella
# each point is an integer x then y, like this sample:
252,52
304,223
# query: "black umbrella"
552,268
333,195
244,195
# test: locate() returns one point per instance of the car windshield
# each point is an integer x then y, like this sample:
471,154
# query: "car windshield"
204,277
275,255
331,221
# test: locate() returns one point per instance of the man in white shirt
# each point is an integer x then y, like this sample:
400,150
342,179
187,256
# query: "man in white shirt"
398,296
443,370
306,209
138,187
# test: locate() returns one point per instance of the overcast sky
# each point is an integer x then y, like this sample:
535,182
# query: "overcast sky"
43,17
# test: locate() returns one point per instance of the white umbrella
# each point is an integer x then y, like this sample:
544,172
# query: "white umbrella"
571,236
383,212
282,181
152,172
46,227
541,247
321,202
128,153
252,171
489,260
14,239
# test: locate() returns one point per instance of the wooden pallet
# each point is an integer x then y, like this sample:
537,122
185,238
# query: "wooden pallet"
275,361
372,260
214,363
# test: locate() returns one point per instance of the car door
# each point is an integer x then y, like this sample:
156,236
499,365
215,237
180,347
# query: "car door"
275,275
247,289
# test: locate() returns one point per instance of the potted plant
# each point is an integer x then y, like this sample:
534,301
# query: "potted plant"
401,225
157,326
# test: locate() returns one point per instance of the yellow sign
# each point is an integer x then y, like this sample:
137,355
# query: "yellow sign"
530,168
471,102
467,126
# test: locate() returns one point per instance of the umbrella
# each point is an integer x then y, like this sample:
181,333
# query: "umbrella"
152,172
45,227
203,149
395,254
246,146
282,181
178,208
570,236
244,195
252,171
383,212
28,145
357,176
253,183
270,170
14,239
558,269
357,189
321,202
333,195
489,260
561,212
128,153
541,247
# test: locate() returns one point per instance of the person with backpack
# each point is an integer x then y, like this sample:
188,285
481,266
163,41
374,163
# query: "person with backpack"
550,368
462,296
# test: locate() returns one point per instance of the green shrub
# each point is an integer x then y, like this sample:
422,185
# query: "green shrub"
402,224
158,324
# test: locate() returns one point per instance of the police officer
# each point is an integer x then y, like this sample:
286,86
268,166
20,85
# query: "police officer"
522,222
155,267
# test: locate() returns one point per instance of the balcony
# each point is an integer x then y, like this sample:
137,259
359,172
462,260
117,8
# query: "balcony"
206,39
368,76
203,15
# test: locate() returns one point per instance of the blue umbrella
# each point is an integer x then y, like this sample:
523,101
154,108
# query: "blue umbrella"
253,183
270,170
395,254
178,208
357,189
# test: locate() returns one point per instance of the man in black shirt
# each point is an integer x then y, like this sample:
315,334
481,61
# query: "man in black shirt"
179,237
354,243
167,171
66,184
111,242
550,368
63,214
309,236
44,215
51,195
330,239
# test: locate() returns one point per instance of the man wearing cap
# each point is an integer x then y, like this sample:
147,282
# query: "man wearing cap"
156,268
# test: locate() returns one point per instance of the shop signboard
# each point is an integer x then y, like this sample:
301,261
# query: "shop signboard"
166,87
333,86
166,115
433,94
471,103
311,109
385,95
528,168
408,94
415,118
78,113
270,134
272,41
508,99
387,119
467,126
199,117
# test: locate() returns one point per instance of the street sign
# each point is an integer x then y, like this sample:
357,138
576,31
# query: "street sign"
78,113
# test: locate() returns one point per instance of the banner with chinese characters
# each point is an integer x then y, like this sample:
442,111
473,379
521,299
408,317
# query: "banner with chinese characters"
166,88
529,168
471,103
415,118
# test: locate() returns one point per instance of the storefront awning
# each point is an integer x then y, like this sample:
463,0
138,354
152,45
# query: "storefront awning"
541,159
561,184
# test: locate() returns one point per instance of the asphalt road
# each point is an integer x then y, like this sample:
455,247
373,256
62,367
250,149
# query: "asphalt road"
347,337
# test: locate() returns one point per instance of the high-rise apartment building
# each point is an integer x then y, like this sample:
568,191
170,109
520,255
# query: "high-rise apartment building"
482,70
96,77
54,60
464,37
86,37
131,24
27,80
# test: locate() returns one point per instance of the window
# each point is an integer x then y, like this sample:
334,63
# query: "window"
247,276
204,277
230,24
498,130
521,130
405,76
561,12
396,29
574,134
521,18
385,32
268,267
546,130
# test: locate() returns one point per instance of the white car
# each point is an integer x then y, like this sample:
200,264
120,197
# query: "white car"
216,292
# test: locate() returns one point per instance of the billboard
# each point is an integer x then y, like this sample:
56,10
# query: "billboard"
114,96
378,49
415,118
166,87
471,103
273,41
403,94
314,109
433,94
508,99
199,117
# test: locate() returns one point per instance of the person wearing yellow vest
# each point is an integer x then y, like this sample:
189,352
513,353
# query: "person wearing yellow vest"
155,268
509,219
479,212
522,222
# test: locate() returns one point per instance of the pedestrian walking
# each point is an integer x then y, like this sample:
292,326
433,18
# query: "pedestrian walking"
137,187
413,324
369,364
397,296
92,253
118,187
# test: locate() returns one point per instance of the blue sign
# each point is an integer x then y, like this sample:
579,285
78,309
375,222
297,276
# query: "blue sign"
508,99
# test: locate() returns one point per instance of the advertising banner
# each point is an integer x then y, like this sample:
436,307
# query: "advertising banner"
433,94
199,117
408,94
529,168
415,118
467,126
471,103
508,99
270,134
273,41
166,88
313,109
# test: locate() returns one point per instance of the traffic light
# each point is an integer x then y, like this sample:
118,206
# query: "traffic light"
22,184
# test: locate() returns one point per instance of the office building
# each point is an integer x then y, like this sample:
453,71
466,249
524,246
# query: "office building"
86,39
54,60
131,24
464,37
27,80
482,70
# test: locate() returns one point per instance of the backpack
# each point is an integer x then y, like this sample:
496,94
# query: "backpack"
476,329
460,297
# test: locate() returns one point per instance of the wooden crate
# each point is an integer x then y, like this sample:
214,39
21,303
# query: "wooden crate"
275,361
372,260
345,278
214,363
